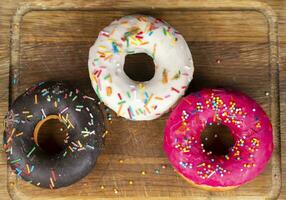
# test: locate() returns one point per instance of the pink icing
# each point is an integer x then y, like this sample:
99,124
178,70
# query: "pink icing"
250,127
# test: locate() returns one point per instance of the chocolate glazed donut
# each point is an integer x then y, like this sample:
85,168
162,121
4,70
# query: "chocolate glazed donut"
83,141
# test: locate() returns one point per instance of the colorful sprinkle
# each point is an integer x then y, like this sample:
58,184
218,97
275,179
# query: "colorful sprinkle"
30,153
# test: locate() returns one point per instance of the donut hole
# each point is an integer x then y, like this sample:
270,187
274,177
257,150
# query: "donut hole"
217,138
139,67
50,134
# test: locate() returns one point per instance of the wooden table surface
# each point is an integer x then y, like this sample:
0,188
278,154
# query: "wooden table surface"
7,10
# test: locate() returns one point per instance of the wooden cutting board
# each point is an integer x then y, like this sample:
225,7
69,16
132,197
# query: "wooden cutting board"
234,45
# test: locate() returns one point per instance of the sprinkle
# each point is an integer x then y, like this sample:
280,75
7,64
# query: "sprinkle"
15,161
45,93
70,148
91,147
108,57
211,174
121,102
36,99
108,91
147,109
141,86
128,94
108,77
52,182
79,143
19,134
32,150
146,94
159,98
19,171
29,116
138,37
101,54
137,112
114,47
85,131
140,110
90,114
43,112
154,50
65,109
104,33
174,89
70,124
149,99
104,134
143,173
56,104
75,97
53,175
75,144
165,77
143,43
157,171
129,112
49,98
32,168
127,41
119,96
164,31
119,109
201,165
102,47
176,76
99,73
12,133
87,97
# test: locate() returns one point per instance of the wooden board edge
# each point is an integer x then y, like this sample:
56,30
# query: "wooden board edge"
260,7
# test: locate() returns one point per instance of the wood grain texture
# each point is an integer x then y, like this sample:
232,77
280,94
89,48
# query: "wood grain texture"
46,51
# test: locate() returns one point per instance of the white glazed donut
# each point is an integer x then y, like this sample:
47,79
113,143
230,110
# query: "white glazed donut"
140,34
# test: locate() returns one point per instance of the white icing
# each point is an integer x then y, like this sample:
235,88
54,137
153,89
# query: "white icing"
140,34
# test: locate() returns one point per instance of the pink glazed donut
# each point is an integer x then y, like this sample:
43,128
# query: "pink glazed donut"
247,123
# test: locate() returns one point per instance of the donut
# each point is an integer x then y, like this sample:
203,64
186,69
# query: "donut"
135,100
83,142
206,110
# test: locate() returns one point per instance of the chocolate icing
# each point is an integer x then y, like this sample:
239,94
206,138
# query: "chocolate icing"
85,127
